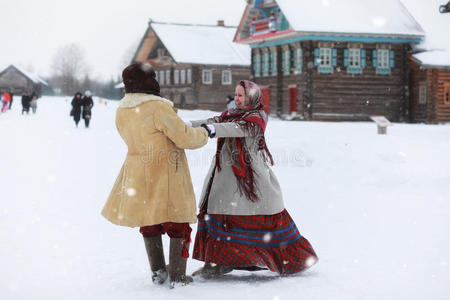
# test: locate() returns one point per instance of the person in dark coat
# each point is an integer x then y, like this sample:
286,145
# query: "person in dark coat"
26,99
77,102
88,103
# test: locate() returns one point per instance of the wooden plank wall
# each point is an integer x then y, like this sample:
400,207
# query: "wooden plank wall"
441,77
359,95
419,112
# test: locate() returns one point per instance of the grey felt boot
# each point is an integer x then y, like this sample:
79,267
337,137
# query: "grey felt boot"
177,264
155,254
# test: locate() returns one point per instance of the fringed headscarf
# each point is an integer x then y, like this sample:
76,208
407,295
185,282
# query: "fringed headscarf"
253,119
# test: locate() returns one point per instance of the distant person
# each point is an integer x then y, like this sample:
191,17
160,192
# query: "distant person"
5,101
230,103
25,102
33,102
88,103
11,95
77,102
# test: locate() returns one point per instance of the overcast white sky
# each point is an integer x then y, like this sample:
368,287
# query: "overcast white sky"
31,31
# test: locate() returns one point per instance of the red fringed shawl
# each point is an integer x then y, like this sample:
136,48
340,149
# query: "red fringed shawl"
254,122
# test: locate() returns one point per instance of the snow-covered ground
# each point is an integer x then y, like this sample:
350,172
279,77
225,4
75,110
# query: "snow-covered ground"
375,208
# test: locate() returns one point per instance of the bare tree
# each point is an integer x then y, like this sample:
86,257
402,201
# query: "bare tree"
69,66
128,55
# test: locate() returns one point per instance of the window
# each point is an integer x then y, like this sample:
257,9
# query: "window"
286,62
167,76
325,57
161,77
354,60
447,94
176,76
354,57
383,58
257,64
189,76
207,76
273,58
162,52
183,76
298,61
423,94
226,77
265,64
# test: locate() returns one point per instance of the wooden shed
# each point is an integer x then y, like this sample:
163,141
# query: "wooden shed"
197,66
17,80
430,81
331,60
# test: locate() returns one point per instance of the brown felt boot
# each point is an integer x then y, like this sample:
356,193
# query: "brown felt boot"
177,264
155,254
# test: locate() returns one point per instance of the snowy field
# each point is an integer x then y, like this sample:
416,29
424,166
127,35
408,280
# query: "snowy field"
375,208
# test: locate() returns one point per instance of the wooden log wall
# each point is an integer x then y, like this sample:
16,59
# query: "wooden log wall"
442,79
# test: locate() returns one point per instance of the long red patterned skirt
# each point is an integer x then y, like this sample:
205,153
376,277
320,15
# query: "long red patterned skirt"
253,241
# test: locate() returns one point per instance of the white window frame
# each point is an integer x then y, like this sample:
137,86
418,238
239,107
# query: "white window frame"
167,77
161,52
422,94
354,58
383,59
287,62
298,60
226,77
176,76
325,57
189,76
207,76
257,65
183,76
266,64
161,77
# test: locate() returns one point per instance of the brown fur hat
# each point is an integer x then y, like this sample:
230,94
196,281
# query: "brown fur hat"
140,78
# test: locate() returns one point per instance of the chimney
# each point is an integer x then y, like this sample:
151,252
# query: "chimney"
220,23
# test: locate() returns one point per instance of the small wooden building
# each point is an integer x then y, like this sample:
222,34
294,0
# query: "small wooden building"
17,81
197,66
430,81
331,60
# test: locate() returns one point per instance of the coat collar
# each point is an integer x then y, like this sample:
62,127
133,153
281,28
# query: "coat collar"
135,99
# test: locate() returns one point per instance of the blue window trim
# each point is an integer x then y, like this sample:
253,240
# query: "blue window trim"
336,38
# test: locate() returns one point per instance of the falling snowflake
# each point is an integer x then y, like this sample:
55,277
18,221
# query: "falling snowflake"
310,261
131,192
138,109
267,237
207,218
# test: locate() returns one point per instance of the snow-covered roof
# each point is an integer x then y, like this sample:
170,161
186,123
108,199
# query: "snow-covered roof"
202,44
33,77
434,58
120,85
350,16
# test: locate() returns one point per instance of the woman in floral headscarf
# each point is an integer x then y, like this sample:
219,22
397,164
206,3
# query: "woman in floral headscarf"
242,221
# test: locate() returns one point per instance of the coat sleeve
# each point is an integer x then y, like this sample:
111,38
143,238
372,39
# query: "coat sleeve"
183,136
230,129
